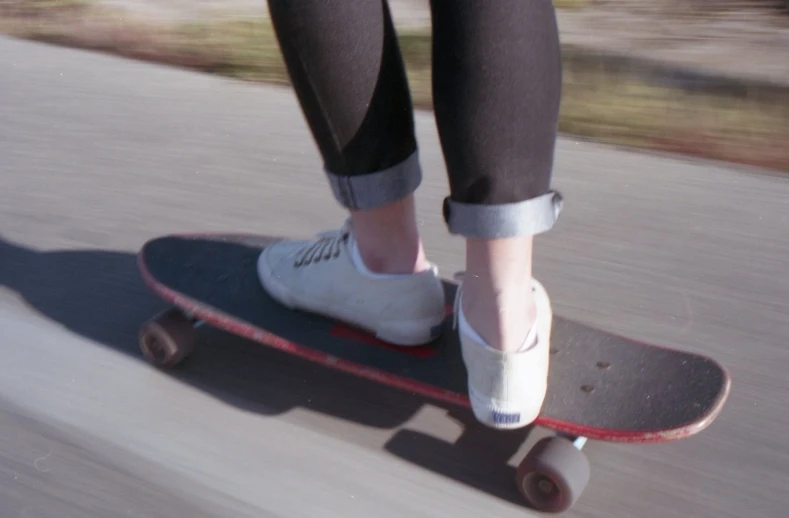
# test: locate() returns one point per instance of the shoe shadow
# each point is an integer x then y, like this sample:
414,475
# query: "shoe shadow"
480,458
100,295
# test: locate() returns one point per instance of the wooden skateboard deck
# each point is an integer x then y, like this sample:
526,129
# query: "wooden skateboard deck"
601,386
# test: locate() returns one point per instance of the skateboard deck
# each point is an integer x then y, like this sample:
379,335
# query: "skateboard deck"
601,386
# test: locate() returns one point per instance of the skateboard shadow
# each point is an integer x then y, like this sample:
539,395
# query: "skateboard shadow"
100,295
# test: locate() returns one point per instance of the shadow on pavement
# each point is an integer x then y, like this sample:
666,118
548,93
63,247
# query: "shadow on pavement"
101,296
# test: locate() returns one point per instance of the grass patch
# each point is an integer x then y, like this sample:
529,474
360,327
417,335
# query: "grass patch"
596,104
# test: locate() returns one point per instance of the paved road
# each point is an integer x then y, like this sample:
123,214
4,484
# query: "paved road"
98,154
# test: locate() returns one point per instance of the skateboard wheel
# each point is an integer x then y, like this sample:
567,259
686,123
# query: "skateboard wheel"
167,339
553,475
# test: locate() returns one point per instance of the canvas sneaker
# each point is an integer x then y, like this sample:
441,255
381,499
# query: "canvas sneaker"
327,276
507,390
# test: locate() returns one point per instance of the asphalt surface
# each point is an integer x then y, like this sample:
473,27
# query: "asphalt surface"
98,154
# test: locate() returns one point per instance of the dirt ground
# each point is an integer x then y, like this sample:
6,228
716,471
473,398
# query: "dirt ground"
731,37
411,13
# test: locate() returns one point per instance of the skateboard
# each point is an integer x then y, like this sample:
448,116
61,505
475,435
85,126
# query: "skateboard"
601,386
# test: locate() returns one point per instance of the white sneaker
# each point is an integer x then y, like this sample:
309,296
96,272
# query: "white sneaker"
507,390
327,276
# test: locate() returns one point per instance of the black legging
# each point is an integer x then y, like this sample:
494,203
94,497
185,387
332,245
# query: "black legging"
496,91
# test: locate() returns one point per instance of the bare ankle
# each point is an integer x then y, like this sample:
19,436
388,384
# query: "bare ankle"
498,301
388,238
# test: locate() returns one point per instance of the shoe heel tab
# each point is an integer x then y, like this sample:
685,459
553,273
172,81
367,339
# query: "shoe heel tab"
456,307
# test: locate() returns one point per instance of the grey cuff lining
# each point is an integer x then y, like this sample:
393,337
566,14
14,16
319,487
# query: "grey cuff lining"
374,190
525,218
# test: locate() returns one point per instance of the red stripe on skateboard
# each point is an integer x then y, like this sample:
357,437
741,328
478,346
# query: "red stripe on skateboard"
350,333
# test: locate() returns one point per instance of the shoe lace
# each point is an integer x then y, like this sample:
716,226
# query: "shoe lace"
327,247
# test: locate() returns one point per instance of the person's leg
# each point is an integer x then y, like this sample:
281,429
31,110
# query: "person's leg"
497,87
345,66
346,69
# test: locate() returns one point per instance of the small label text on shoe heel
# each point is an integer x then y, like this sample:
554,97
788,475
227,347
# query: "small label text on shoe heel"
505,418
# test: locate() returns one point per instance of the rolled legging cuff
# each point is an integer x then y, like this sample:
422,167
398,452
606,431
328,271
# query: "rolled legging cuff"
525,218
374,190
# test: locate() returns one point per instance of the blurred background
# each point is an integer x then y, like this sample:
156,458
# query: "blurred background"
635,72
121,120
